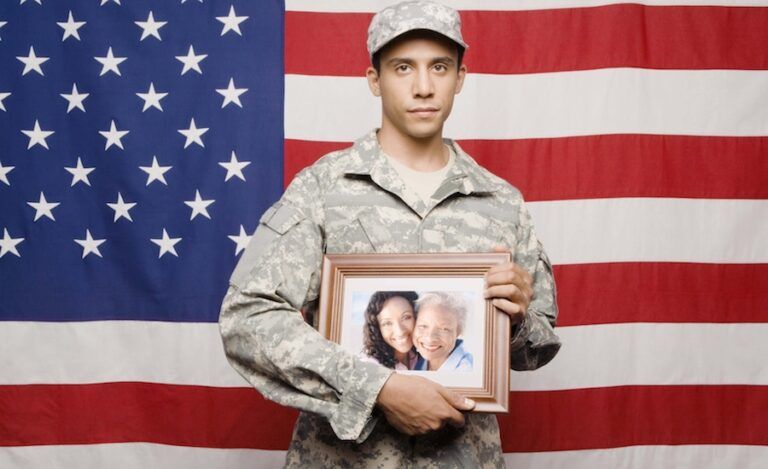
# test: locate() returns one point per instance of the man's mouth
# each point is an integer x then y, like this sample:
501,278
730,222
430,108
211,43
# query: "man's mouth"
423,111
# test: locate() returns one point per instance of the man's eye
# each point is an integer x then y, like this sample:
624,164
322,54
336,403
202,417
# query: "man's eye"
440,67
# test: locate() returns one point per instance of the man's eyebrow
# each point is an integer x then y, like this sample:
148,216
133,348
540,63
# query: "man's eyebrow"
399,60
440,59
444,59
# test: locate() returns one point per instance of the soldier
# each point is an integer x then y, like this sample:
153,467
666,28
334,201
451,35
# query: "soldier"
400,188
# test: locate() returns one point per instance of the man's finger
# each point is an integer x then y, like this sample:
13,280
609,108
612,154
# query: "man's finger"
514,310
456,400
513,274
456,418
508,291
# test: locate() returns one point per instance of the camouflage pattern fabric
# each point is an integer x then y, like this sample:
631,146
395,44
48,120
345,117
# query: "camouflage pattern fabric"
353,201
403,17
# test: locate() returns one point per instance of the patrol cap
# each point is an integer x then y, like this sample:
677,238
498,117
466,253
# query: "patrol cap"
403,17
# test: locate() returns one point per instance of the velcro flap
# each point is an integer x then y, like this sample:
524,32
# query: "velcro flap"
281,217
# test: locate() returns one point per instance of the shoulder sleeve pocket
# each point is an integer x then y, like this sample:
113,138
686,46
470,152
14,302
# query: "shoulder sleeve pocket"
281,217
276,221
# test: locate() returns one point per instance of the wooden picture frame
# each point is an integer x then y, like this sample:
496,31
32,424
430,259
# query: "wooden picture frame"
348,278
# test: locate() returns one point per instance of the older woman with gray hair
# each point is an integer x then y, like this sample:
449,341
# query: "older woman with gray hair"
440,321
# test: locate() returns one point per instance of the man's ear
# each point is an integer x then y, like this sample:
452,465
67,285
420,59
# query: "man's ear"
373,81
460,81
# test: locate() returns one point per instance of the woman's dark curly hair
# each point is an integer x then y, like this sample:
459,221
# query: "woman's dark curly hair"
373,342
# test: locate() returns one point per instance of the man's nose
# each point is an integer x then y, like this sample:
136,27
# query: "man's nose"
423,86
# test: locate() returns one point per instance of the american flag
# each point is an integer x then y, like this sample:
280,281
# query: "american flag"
637,132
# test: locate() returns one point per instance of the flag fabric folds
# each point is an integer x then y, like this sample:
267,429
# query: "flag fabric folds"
140,142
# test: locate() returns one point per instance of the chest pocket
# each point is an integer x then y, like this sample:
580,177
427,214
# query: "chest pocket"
480,236
362,234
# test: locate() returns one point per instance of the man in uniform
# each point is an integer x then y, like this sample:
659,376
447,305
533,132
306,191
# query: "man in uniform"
399,189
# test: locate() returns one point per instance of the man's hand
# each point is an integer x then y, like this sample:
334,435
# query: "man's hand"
510,286
415,405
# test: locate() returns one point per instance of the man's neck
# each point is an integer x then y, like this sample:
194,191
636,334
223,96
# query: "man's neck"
428,154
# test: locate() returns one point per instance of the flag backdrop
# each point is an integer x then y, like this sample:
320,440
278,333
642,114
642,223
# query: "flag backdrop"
140,141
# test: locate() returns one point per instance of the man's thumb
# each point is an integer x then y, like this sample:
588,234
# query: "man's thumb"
458,401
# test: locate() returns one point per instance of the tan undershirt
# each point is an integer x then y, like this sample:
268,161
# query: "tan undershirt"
423,183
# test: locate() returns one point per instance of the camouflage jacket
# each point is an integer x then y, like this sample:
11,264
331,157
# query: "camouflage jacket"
353,201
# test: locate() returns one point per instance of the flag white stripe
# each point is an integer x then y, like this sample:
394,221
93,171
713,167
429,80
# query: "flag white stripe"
653,229
590,102
617,354
133,455
652,354
112,351
137,455
372,6
640,457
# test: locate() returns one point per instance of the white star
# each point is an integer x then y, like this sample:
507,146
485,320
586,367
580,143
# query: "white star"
191,61
193,134
240,240
234,167
79,173
166,244
185,1
113,136
110,63
75,99
151,98
2,97
43,207
4,170
150,27
121,208
104,2
32,62
231,22
39,2
70,27
2,23
155,172
8,244
37,136
90,245
199,206
231,94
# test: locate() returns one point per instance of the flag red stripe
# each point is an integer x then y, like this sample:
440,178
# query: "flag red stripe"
601,166
626,35
635,415
661,292
235,417
149,412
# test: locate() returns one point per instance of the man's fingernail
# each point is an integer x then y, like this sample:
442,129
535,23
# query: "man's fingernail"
469,402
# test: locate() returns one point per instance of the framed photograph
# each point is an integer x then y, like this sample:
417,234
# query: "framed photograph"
421,314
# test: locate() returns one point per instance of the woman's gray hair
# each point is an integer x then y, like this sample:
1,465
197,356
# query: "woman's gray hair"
452,302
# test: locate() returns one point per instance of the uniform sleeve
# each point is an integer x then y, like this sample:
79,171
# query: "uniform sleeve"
534,342
265,336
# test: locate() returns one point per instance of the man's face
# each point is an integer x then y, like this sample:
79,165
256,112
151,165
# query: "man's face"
418,79
436,334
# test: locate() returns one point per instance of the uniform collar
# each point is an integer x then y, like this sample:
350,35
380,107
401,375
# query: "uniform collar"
465,177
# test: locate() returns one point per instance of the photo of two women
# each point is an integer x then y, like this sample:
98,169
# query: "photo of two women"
406,330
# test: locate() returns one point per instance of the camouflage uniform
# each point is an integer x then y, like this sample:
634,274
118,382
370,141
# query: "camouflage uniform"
353,201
